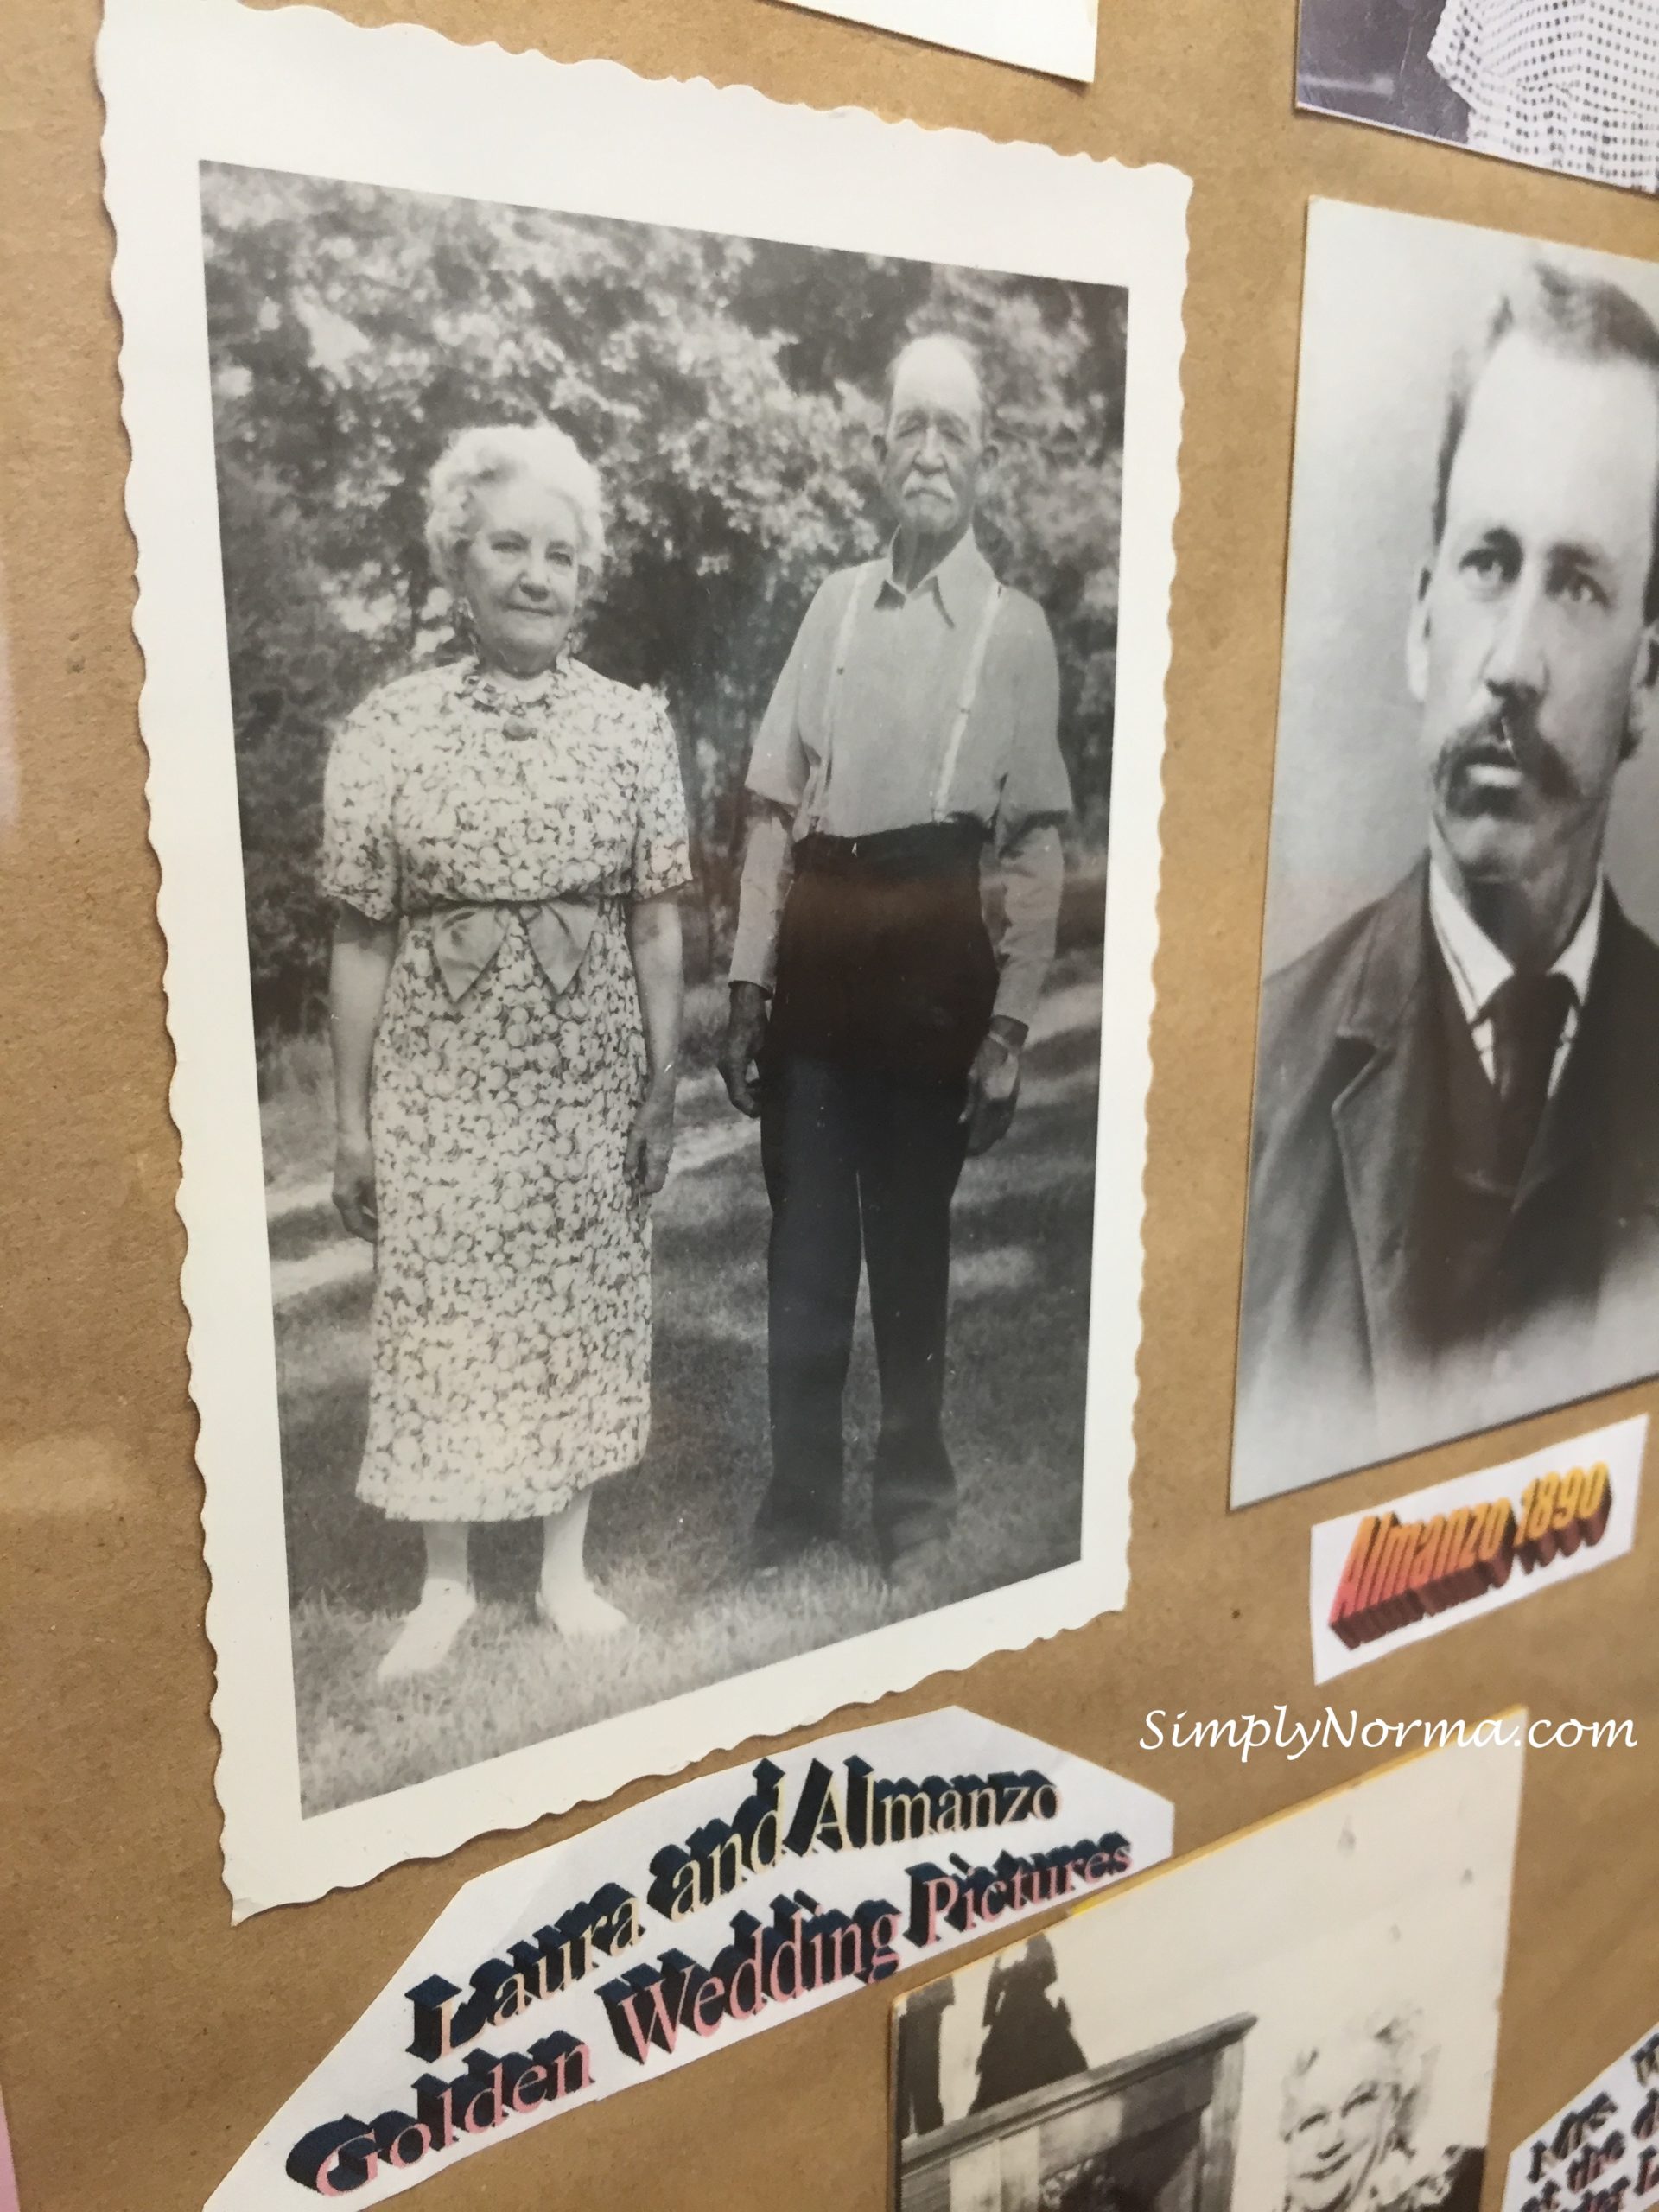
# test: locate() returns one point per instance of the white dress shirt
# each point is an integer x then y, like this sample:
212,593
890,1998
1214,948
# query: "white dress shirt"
1479,970
889,709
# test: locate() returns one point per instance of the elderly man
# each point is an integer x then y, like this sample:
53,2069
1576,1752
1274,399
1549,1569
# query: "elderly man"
1454,1210
874,1027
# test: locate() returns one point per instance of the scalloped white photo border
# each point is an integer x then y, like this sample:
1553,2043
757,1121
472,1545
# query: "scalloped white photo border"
186,81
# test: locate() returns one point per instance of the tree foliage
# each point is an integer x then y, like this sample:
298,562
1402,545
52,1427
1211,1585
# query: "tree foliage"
726,388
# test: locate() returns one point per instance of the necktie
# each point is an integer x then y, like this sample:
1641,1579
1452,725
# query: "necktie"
1527,1014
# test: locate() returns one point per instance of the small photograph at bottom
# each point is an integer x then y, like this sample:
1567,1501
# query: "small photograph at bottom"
1303,2020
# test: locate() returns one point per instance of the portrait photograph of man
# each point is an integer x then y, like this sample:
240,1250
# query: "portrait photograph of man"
1454,1190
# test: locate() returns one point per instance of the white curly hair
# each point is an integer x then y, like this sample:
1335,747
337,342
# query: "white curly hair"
489,453
1405,2070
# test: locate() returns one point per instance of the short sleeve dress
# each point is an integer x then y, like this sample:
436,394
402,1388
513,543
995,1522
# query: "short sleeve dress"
509,830
1568,85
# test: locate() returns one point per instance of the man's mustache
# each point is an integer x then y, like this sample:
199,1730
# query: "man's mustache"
1507,736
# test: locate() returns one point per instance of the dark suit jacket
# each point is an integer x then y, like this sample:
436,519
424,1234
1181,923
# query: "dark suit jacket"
1335,1371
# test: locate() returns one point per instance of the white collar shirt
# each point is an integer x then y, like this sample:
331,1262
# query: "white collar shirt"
866,732
1479,970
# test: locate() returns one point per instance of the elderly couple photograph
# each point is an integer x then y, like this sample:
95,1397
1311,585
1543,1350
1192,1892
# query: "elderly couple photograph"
506,846
675,931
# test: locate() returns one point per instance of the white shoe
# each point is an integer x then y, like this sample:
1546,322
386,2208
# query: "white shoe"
424,1640
581,1611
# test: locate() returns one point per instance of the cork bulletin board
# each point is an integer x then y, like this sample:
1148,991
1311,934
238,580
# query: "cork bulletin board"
144,2041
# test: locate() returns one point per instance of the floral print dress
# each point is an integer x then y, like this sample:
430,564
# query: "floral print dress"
510,829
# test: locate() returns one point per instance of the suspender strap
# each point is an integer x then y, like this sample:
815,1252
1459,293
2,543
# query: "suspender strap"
849,616
858,598
965,697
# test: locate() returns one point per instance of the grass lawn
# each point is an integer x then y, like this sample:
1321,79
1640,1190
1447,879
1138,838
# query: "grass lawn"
668,1540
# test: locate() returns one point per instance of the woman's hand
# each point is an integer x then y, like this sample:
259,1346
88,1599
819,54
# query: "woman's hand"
651,1140
654,943
355,1186
358,970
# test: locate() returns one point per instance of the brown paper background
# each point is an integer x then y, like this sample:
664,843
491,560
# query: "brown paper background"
142,2042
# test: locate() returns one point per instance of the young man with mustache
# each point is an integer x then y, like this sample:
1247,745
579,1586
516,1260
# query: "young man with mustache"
1454,1202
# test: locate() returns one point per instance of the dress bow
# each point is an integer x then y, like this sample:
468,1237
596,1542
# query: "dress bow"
465,939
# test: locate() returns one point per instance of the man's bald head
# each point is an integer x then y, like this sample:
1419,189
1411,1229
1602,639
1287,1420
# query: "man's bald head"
933,447
941,366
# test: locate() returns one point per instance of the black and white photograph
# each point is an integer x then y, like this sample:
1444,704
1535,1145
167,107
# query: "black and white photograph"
1454,1187
664,698
678,719
1302,2019
1571,85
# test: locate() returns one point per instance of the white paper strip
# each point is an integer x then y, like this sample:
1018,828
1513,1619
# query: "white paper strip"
719,1909
1600,2153
1417,1565
1055,36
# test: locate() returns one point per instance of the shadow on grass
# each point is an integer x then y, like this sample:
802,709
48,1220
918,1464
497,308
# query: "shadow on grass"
668,1540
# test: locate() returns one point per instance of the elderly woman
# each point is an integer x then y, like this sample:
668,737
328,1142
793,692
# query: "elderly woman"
504,835
1350,2123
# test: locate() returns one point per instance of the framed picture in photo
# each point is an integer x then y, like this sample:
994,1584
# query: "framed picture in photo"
1155,2130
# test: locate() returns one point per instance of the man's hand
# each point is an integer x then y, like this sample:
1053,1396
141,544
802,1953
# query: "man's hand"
746,1030
354,1186
994,1085
651,1140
